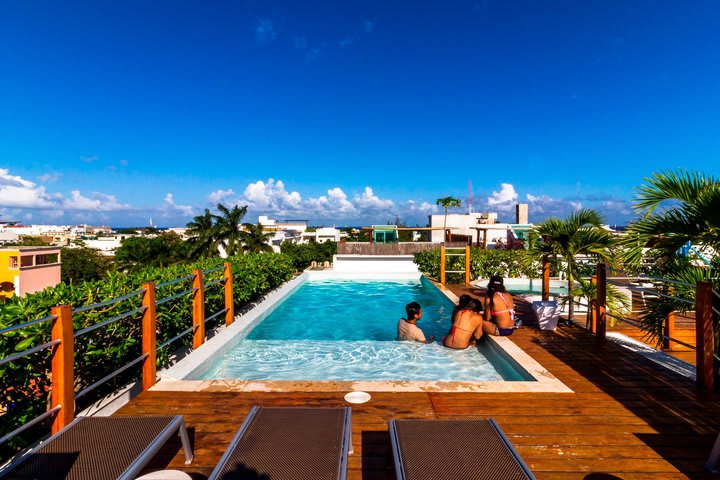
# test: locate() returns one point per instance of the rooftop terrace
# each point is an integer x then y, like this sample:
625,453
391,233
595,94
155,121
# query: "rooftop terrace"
628,417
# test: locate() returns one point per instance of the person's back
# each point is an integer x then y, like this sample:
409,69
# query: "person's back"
499,309
467,327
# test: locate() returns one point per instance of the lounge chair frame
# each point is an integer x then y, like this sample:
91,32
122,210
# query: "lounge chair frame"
176,425
345,448
397,456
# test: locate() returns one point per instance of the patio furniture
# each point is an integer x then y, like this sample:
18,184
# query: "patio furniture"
712,461
289,443
101,448
451,449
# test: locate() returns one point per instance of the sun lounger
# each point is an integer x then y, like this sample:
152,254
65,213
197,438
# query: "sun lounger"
450,449
101,448
288,444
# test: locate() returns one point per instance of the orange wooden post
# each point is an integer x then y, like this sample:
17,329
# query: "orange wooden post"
467,264
545,278
149,340
198,309
63,368
442,264
593,308
704,337
229,306
669,331
601,299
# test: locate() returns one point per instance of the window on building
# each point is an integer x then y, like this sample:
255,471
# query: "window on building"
13,262
26,261
46,259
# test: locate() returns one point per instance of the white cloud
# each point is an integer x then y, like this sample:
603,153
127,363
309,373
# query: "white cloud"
271,196
505,199
370,202
170,207
15,191
335,203
97,201
49,177
218,196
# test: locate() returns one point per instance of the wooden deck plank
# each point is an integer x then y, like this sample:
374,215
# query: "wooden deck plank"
628,418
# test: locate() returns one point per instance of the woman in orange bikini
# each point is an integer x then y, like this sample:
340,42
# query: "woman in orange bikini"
499,318
467,327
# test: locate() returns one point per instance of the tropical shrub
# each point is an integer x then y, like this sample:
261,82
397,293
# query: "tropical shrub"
301,255
483,263
25,383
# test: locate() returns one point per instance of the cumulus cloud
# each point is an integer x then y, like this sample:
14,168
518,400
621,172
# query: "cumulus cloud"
505,199
334,203
271,196
15,191
170,207
371,202
98,202
220,196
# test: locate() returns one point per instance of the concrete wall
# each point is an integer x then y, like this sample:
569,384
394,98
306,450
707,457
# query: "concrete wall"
375,264
35,279
399,248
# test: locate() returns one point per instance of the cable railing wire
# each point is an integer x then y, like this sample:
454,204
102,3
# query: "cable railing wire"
208,285
215,315
27,324
108,302
108,377
177,295
173,282
29,351
216,269
176,337
29,424
109,320
640,327
643,277
652,292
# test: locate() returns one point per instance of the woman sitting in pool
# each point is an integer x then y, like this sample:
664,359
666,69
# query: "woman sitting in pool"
467,327
499,318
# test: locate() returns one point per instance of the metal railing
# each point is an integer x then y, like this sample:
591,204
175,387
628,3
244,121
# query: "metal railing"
61,412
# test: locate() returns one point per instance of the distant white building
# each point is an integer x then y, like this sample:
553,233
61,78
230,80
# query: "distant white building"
322,235
479,228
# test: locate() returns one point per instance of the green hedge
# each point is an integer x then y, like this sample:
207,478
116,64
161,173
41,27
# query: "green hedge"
303,254
25,382
483,263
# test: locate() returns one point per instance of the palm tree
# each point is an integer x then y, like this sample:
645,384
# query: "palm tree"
228,230
202,236
447,202
616,302
676,207
255,240
580,233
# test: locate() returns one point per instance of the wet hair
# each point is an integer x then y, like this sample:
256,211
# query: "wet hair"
464,299
495,285
412,310
474,304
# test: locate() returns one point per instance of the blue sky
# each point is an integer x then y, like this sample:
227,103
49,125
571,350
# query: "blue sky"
349,112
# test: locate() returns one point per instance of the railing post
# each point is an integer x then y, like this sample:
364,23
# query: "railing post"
704,338
545,278
442,264
63,367
467,265
198,309
149,332
669,331
229,306
601,299
593,308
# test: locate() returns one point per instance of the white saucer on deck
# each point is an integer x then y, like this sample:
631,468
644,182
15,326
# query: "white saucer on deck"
357,397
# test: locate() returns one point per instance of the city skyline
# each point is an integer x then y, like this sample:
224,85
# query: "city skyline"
349,114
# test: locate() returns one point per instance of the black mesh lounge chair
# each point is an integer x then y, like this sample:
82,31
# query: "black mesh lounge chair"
288,444
450,449
101,448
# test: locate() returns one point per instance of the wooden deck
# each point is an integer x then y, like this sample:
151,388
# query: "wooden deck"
628,418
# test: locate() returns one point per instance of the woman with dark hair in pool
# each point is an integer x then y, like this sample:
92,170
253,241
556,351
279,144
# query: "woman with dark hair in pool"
499,317
467,327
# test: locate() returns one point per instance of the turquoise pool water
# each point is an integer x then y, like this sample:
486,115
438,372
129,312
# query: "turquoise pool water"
343,330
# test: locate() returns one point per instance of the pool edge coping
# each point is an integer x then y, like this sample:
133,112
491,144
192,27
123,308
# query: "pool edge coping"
173,378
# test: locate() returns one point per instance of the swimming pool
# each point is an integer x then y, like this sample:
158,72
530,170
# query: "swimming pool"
345,330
